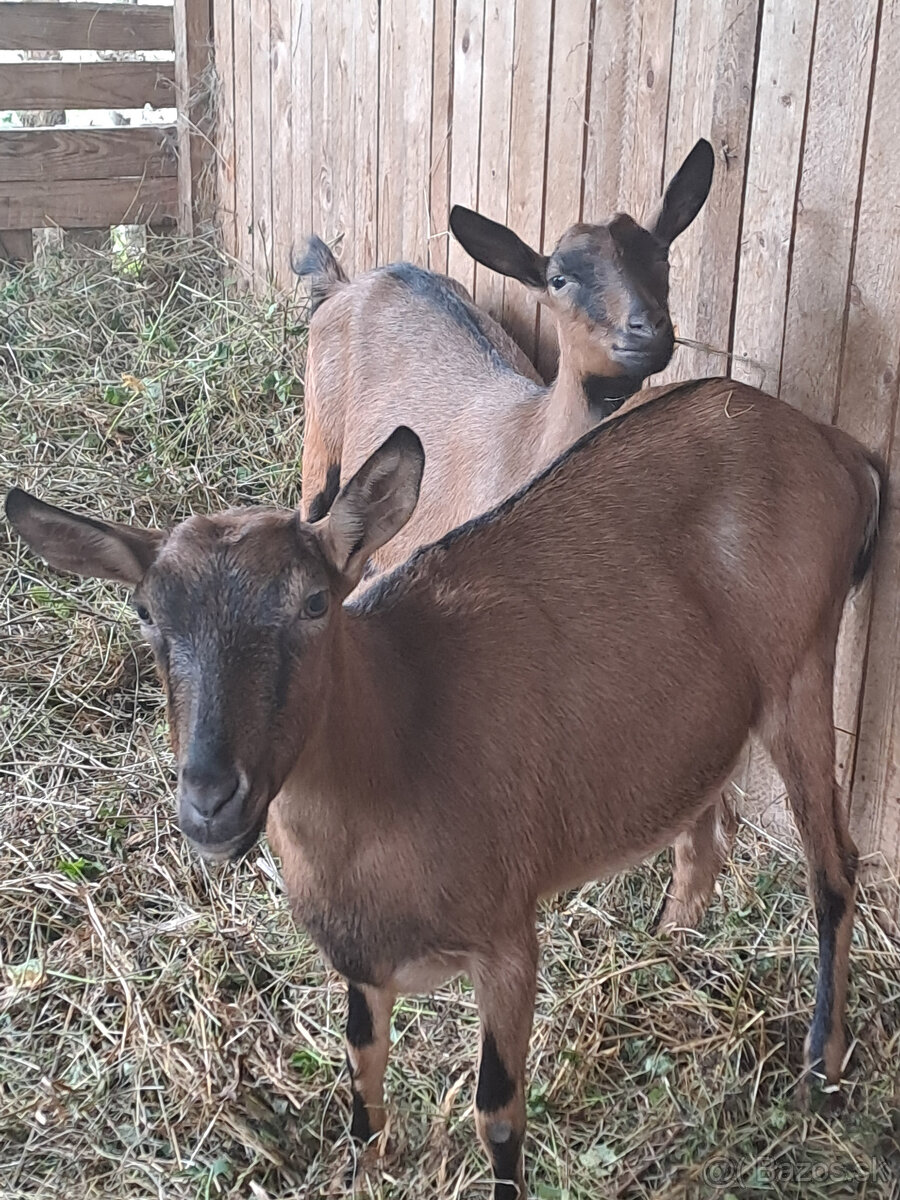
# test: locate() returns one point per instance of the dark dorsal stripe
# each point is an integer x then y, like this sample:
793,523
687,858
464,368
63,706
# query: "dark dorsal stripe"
440,292
394,581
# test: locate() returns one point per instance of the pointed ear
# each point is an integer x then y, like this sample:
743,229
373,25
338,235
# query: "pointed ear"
69,542
686,194
495,246
374,505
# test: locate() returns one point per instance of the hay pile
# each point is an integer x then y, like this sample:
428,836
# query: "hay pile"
164,1031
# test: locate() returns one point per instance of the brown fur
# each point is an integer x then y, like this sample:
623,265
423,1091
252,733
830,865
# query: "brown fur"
401,346
549,694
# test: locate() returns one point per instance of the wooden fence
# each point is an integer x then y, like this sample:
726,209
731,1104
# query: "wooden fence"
92,178
366,120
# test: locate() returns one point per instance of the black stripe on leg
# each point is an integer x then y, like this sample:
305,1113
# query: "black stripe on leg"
359,1019
322,501
830,910
495,1087
360,1126
505,1162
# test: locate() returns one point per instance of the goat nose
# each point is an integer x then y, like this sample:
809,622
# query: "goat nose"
646,322
209,786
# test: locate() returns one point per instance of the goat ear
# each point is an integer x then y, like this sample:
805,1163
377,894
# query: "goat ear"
69,542
375,504
495,246
686,194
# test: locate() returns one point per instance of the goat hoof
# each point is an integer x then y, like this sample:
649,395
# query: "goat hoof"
364,1164
817,1096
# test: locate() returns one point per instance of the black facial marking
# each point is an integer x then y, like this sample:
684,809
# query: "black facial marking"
591,279
322,502
282,673
830,910
495,1087
359,1019
437,291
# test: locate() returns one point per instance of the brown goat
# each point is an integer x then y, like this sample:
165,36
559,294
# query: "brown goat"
401,345
550,693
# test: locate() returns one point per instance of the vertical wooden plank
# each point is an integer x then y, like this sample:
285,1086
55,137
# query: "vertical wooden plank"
868,409
363,171
565,140
527,152
225,74
629,98
192,30
826,205
710,92
328,100
404,157
243,138
441,101
282,166
468,46
493,163
345,129
875,798
820,275
770,191
262,139
301,119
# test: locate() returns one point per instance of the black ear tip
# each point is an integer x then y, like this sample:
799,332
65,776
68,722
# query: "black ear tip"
406,439
459,215
704,155
16,503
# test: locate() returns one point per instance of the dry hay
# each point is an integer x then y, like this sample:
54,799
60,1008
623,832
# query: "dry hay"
164,1031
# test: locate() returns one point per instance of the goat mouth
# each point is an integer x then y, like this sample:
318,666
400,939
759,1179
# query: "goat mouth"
644,360
231,851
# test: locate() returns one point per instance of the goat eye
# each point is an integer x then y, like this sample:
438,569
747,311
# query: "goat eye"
316,605
558,282
143,614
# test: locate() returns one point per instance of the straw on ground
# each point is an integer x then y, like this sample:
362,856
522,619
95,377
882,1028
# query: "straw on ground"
164,1030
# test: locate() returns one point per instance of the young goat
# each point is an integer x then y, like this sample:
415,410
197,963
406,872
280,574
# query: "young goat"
401,345
550,693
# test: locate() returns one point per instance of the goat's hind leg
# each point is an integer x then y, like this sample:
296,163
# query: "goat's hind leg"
700,853
799,734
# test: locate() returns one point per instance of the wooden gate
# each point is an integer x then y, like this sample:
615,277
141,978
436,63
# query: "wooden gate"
92,178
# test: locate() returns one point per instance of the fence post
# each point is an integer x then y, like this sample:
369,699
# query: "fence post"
193,40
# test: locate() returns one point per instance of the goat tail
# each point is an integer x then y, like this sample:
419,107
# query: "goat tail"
321,269
878,476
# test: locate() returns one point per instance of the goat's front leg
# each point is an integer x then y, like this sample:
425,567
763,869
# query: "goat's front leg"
367,1043
505,984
